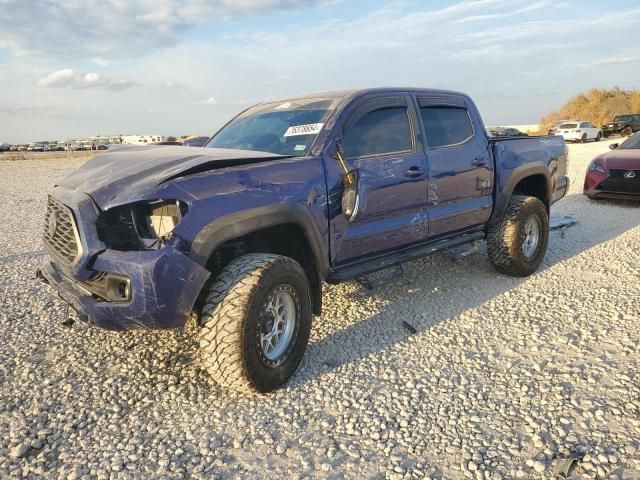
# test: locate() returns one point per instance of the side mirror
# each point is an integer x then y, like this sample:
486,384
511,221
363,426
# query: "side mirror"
350,197
613,146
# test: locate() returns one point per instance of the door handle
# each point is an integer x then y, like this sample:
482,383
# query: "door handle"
479,161
414,172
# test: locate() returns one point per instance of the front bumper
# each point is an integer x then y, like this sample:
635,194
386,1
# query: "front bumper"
164,286
595,187
611,131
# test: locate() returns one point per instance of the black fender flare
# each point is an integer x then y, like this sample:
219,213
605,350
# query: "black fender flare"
518,174
243,222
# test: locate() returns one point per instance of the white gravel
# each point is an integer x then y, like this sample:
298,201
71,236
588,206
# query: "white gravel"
503,378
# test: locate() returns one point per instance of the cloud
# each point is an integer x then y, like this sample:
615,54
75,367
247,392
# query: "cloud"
68,78
622,59
110,29
172,85
208,101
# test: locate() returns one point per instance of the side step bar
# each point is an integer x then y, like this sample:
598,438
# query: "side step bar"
405,255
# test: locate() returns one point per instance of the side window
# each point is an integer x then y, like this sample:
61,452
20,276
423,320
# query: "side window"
377,132
446,125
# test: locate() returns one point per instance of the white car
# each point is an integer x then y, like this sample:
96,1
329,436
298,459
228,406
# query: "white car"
577,131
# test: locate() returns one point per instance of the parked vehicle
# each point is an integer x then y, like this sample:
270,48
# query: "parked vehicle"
22,148
505,132
624,125
4,147
14,148
615,174
285,196
554,130
578,131
38,147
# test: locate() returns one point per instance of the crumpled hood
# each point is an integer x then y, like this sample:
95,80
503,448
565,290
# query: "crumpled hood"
625,159
133,171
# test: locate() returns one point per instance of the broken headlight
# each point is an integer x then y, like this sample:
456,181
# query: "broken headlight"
140,225
155,220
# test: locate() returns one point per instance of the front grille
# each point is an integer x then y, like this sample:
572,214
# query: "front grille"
60,232
618,183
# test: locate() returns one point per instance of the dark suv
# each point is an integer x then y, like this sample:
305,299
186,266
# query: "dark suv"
625,125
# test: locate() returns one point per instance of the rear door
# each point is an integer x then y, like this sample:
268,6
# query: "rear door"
459,162
378,139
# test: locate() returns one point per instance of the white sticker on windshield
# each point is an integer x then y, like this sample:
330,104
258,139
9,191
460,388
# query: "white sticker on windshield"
299,147
284,106
308,129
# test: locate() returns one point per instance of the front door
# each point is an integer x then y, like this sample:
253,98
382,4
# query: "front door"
378,139
460,165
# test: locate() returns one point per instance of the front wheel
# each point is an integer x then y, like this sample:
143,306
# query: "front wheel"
255,322
598,137
518,243
584,138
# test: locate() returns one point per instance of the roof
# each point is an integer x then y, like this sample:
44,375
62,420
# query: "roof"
364,91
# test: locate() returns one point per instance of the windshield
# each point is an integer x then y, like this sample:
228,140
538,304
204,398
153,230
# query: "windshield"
632,143
569,125
622,118
283,128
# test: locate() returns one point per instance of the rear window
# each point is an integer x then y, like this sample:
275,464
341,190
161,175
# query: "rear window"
568,125
445,126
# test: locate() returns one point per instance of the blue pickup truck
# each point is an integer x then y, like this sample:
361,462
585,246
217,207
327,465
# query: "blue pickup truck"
241,234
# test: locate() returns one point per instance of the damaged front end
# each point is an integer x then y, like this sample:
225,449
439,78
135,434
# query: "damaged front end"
123,268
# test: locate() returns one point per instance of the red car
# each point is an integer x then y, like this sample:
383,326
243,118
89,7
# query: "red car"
615,174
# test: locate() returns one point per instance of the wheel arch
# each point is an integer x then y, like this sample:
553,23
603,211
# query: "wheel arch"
287,229
530,180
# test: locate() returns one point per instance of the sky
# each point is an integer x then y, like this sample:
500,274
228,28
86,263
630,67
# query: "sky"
77,68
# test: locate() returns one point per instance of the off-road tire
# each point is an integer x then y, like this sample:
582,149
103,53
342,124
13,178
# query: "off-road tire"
605,135
229,322
626,132
504,239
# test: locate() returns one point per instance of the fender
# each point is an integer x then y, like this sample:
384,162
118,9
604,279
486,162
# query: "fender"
241,223
505,187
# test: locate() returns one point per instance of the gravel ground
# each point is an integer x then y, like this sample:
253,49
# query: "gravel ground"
503,378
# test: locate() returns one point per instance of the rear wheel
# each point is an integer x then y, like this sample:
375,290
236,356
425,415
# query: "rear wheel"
626,132
517,245
598,137
255,322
